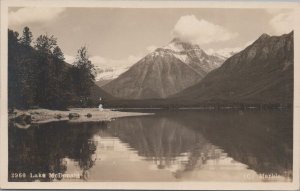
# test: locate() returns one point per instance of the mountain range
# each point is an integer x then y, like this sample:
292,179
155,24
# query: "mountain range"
164,72
261,73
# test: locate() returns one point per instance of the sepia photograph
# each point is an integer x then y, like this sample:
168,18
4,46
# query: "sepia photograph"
128,95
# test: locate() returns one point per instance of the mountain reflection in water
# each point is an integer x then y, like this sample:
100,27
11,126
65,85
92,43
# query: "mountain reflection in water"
167,146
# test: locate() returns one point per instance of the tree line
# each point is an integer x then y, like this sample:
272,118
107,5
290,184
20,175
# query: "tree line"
38,76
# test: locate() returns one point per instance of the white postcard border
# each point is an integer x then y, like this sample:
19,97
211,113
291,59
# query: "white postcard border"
145,185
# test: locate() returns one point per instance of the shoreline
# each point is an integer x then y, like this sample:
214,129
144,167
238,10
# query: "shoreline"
73,115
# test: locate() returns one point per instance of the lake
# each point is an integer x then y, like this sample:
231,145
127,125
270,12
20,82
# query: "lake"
186,145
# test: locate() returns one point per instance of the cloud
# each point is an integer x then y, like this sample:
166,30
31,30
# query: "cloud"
282,23
189,29
27,15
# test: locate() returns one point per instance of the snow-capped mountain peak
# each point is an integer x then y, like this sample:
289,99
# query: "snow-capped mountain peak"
164,72
176,45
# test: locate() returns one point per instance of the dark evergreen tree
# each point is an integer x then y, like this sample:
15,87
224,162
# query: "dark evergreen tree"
83,73
21,82
26,38
13,38
57,53
59,85
13,77
45,44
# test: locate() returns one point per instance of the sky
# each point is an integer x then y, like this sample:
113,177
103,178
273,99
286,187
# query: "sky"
121,36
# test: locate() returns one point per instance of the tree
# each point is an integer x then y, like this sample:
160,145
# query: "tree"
59,92
57,53
21,72
13,77
44,46
26,37
83,75
13,38
45,43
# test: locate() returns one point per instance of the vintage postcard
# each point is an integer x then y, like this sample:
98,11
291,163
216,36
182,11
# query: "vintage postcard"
150,95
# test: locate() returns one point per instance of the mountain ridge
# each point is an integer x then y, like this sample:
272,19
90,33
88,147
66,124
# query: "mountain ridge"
248,74
164,72
261,75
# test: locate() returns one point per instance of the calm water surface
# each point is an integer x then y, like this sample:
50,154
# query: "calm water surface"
167,146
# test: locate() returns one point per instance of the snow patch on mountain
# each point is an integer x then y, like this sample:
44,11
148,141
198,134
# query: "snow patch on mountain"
108,69
109,73
182,57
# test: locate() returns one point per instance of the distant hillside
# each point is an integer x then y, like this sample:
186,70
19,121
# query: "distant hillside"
97,92
101,83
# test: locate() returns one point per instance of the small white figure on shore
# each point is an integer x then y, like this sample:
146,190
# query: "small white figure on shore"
100,107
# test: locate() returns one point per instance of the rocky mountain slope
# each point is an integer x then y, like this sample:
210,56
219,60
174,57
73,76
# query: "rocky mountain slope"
261,73
164,72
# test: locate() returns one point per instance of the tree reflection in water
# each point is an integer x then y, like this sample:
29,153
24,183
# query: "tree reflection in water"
43,148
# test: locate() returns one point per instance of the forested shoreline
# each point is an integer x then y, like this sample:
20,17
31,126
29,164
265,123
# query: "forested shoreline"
38,76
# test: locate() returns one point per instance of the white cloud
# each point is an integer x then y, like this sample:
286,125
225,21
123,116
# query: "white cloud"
27,15
151,48
282,23
188,28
